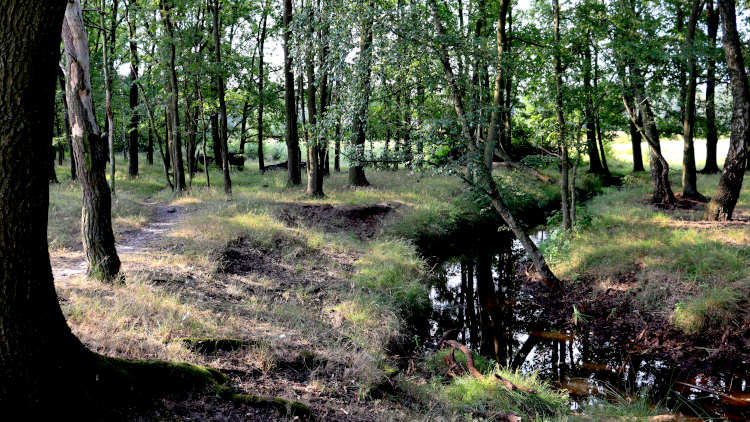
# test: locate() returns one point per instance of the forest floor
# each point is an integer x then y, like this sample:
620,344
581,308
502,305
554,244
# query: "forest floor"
307,299
288,297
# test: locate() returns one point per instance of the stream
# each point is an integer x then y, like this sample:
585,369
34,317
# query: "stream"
484,298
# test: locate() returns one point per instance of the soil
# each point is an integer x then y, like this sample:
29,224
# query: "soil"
364,221
616,318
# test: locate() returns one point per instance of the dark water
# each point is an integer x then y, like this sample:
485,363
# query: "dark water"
483,298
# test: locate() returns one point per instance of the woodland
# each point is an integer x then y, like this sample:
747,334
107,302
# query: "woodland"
374,210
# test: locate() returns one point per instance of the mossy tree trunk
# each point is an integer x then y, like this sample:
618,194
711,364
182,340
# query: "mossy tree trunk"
725,199
90,151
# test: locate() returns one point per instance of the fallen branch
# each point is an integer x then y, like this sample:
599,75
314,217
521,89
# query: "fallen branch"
478,375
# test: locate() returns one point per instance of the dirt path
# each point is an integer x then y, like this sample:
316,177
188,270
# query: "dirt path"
68,266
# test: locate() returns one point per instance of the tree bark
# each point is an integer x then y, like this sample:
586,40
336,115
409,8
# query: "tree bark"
360,118
90,152
108,95
494,131
314,173
294,176
595,164
727,193
36,346
712,135
561,141
175,145
222,101
134,116
689,180
485,180
261,97
68,136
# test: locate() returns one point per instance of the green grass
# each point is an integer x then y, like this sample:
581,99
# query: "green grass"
469,398
696,271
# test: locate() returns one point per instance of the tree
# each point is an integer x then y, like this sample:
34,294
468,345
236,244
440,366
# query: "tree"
134,116
359,119
689,181
561,141
712,135
292,137
727,193
106,55
90,151
485,183
174,138
222,100
261,80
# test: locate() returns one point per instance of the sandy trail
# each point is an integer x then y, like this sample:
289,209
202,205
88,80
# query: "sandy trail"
72,265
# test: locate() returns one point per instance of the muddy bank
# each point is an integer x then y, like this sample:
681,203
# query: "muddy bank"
595,342
365,221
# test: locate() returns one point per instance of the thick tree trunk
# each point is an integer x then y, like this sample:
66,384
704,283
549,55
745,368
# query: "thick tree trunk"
37,348
175,145
712,135
134,117
360,118
485,180
725,199
689,180
222,101
90,152
294,177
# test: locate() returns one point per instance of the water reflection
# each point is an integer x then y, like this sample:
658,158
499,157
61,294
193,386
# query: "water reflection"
483,299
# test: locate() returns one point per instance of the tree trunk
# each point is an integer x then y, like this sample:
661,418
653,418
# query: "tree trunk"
497,97
314,174
68,136
689,180
172,107
712,135
485,180
725,199
360,118
595,165
108,95
294,177
561,141
90,152
134,117
261,80
222,101
659,167
37,348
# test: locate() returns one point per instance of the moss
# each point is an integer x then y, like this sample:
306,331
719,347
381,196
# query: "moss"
285,407
210,345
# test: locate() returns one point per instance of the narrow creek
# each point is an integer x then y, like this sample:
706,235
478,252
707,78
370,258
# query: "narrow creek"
485,299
